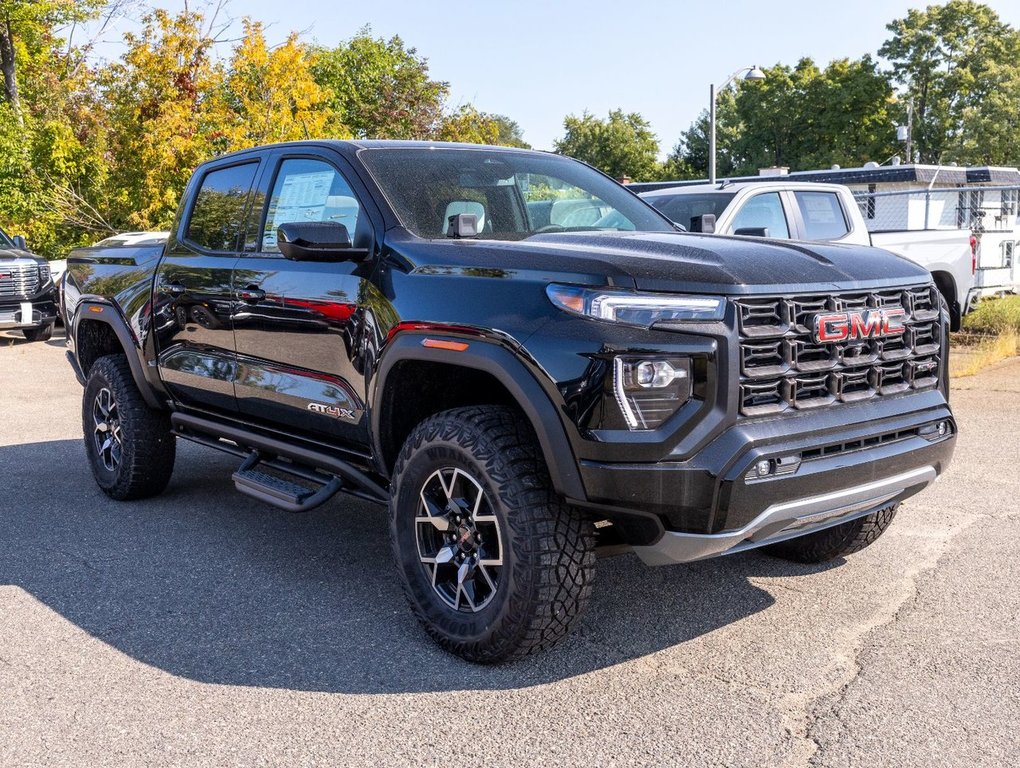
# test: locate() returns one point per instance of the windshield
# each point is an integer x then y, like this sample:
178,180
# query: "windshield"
682,208
514,194
5,242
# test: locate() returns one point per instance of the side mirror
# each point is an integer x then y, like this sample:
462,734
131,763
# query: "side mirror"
317,241
19,242
705,223
752,231
462,225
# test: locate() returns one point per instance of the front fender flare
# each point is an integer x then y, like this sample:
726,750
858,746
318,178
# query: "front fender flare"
500,362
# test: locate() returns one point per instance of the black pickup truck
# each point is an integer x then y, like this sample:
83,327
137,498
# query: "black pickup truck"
524,361
28,297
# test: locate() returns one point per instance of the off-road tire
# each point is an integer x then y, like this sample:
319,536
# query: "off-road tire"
148,447
838,541
547,546
43,333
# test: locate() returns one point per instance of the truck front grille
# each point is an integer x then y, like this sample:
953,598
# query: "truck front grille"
19,279
783,367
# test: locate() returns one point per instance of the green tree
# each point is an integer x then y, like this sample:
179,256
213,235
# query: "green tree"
468,125
53,155
270,95
163,121
471,126
509,133
621,145
380,88
26,30
800,117
957,63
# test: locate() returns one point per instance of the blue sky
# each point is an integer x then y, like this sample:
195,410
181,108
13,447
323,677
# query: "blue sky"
539,61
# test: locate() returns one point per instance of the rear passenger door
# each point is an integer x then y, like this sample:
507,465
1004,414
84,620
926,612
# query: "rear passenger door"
192,295
299,326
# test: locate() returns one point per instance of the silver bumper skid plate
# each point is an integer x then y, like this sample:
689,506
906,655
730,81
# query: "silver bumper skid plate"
786,520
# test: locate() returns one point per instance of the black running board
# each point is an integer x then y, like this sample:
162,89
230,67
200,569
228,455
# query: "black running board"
300,461
250,480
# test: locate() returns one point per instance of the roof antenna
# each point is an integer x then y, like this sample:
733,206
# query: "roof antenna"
724,183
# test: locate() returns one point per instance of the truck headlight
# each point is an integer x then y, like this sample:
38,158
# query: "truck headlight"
650,390
44,274
633,308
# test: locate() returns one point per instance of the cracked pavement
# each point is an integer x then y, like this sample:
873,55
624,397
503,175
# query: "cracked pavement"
202,628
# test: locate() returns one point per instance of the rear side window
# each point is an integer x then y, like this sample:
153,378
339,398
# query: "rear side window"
763,211
218,213
822,214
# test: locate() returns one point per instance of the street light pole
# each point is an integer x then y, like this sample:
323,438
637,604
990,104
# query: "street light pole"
711,133
753,73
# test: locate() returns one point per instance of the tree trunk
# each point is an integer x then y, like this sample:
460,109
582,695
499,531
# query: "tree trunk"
9,67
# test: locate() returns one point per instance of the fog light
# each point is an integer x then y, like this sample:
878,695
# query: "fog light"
942,428
763,468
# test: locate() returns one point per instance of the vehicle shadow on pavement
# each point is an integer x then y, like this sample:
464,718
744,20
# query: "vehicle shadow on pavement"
17,339
208,585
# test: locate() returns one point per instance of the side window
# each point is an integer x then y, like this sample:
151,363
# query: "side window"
765,210
308,190
822,214
218,213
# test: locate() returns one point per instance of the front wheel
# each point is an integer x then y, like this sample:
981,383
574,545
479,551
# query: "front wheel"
493,563
43,333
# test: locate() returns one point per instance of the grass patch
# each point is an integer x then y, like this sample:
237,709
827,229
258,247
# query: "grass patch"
966,360
990,333
995,316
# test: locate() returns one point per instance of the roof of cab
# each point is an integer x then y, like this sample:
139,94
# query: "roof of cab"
352,146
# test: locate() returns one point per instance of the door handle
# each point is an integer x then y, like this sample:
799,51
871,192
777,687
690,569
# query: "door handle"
251,294
174,289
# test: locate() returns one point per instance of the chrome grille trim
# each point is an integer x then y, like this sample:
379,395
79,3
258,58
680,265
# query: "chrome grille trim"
782,367
20,279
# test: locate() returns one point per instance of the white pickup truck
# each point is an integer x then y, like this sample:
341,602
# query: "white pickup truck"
812,211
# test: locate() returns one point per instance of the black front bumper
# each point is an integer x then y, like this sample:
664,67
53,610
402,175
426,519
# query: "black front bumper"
811,454
33,312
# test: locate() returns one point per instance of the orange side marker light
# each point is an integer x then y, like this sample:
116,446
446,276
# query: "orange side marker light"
453,346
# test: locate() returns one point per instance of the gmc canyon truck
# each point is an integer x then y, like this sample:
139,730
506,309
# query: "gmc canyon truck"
425,326
28,296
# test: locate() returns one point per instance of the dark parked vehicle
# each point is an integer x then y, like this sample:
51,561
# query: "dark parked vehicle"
28,297
524,384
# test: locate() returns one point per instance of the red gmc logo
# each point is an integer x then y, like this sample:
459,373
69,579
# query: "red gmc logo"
866,324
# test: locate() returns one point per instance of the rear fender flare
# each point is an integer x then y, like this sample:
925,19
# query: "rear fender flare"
102,312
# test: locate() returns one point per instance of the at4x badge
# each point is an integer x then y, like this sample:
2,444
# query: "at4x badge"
857,325
331,410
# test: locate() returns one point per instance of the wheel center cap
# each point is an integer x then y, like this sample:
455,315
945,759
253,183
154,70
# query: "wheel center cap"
465,538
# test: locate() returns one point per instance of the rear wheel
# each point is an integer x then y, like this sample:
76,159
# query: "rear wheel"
44,333
837,541
129,445
493,564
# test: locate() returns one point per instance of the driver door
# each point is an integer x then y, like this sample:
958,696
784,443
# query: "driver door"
298,325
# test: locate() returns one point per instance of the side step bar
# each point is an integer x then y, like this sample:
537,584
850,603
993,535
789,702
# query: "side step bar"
282,493
308,464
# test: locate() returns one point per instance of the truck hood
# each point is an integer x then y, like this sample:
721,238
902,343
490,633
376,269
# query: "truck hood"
665,261
7,255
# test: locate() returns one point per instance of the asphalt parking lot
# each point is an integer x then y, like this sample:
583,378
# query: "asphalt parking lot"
203,628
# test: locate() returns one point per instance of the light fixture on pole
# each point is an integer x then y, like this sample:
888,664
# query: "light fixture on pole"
752,73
